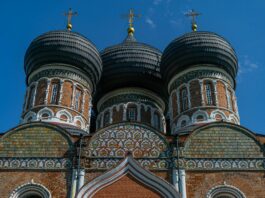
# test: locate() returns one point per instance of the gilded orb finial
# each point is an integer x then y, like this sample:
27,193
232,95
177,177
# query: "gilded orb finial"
131,17
193,14
69,15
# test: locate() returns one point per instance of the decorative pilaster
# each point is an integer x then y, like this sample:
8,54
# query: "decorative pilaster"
35,93
175,179
189,97
124,112
201,89
111,115
26,99
101,120
183,183
138,113
61,91
215,92
83,101
228,99
73,95
178,101
47,91
152,117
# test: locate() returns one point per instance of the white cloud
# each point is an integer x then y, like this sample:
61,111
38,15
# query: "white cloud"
246,65
150,22
156,2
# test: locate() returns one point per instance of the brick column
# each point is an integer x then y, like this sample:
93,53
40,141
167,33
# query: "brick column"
83,101
124,112
229,105
111,115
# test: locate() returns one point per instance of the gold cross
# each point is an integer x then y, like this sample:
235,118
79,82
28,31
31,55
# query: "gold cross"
131,17
193,14
69,15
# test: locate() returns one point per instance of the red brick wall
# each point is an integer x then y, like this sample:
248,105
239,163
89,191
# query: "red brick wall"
250,183
67,91
117,115
221,94
195,93
174,104
127,187
41,92
55,182
145,115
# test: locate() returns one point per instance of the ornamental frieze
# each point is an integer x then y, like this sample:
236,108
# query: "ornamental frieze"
196,75
187,164
35,163
124,98
49,73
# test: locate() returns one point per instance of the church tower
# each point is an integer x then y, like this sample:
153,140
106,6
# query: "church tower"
199,69
131,88
62,69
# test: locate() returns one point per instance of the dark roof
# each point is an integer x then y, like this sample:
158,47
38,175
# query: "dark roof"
65,47
198,48
130,64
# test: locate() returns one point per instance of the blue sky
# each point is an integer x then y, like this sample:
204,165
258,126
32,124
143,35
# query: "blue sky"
239,21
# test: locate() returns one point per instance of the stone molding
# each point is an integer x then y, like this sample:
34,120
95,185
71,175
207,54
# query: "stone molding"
225,189
36,187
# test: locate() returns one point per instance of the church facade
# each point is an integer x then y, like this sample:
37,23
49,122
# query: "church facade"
131,121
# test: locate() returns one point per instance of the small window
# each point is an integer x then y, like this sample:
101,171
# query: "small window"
209,98
77,99
78,123
54,93
64,118
200,118
218,117
106,118
131,114
183,123
184,97
156,121
45,116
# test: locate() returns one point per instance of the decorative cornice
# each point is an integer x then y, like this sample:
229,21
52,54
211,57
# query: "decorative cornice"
130,95
60,71
35,163
191,164
201,71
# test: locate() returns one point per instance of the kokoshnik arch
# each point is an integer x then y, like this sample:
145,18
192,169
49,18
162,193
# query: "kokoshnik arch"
131,121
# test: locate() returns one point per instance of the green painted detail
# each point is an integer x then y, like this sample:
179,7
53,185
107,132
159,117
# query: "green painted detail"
221,142
36,141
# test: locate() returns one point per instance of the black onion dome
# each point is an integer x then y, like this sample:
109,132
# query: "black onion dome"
65,47
198,48
131,64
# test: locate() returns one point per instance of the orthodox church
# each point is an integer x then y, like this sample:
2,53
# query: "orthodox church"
131,121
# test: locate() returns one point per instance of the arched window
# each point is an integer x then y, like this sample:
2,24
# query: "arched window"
225,191
183,123
78,95
106,119
31,190
54,92
184,99
209,95
45,116
156,120
131,113
200,118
